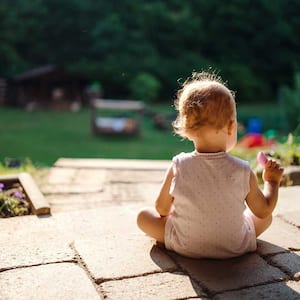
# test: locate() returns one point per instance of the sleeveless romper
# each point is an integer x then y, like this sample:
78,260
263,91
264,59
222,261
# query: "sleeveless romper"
209,218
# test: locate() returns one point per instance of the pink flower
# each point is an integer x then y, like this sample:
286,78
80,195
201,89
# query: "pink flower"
18,195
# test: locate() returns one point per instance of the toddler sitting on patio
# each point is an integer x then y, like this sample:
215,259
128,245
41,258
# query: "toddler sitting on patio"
210,204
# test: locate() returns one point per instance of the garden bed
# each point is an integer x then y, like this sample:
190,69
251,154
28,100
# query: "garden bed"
291,176
19,196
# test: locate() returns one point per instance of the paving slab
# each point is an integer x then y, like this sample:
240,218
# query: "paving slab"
275,291
114,194
59,176
281,234
288,262
288,200
36,253
292,217
143,193
47,282
93,248
134,176
265,248
162,286
74,181
288,205
69,226
120,164
236,273
119,256
73,188
62,203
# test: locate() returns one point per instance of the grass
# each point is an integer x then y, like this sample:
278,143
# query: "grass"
45,136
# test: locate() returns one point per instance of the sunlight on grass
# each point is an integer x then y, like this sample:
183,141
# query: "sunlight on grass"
45,136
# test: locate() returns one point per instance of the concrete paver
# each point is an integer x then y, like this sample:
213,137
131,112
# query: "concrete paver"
292,217
91,248
74,181
289,262
288,206
68,226
52,281
116,256
282,234
265,248
282,290
35,253
223,275
135,176
110,164
289,200
162,286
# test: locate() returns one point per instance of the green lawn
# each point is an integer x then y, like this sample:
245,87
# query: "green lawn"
45,136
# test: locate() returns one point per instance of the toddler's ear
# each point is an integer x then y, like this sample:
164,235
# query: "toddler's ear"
230,127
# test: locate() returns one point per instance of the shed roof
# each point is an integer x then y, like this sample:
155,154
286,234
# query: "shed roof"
45,71
36,72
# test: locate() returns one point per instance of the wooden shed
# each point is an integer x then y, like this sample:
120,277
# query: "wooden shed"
48,87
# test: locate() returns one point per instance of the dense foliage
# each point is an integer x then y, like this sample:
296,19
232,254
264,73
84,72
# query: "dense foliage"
130,44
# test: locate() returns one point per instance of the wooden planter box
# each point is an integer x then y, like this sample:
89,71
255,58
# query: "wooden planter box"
292,175
39,204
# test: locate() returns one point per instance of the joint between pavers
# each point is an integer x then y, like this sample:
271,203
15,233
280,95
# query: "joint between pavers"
292,249
282,218
290,277
194,297
84,267
2,270
102,280
249,286
180,269
74,193
202,286
267,256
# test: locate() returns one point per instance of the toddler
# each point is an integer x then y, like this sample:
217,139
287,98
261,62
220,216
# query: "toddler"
210,204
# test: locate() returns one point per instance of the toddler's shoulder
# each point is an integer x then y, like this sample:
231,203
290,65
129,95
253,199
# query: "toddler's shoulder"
183,156
238,161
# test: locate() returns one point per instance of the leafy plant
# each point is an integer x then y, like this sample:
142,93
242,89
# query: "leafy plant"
145,87
13,201
289,98
289,152
15,165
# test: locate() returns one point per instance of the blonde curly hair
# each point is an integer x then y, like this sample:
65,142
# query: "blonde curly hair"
203,100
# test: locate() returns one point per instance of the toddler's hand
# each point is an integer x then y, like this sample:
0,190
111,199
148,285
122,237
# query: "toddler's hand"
272,172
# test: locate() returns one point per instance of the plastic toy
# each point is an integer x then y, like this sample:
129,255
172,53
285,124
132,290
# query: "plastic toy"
262,159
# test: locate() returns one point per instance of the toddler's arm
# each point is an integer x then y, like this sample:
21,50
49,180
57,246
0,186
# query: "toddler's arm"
164,200
263,203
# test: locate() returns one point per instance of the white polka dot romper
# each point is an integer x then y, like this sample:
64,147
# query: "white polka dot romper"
209,218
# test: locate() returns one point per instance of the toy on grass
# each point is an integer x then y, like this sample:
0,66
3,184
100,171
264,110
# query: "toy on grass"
262,158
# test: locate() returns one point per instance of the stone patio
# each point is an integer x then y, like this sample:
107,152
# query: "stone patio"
90,247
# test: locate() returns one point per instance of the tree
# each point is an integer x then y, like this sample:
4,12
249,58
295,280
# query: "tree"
290,101
252,44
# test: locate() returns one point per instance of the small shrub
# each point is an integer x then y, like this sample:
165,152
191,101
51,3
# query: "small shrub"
288,152
16,165
145,87
290,100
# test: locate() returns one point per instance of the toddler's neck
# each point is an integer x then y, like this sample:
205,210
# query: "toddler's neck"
210,140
